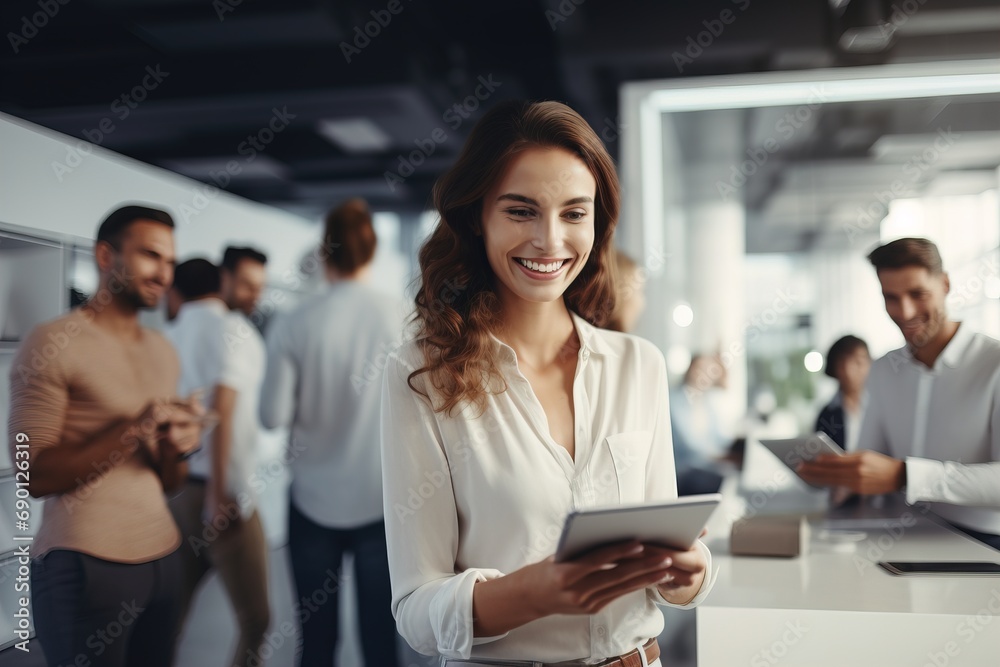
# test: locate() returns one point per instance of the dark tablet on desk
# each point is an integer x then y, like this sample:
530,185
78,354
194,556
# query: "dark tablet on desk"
949,568
674,523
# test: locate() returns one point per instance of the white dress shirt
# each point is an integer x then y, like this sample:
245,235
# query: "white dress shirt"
472,498
324,374
945,422
219,347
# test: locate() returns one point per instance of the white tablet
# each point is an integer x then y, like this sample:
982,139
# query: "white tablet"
794,451
674,523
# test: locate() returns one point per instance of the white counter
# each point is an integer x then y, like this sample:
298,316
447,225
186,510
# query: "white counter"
841,609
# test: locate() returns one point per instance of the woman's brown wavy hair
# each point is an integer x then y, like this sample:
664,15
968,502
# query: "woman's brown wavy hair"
457,308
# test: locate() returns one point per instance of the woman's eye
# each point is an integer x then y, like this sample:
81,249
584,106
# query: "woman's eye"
520,212
576,216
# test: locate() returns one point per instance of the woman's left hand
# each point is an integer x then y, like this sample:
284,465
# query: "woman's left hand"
687,570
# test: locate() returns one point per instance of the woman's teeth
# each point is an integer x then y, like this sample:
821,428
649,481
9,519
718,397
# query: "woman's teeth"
542,268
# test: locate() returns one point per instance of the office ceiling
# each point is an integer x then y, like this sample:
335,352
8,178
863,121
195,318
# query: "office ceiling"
290,103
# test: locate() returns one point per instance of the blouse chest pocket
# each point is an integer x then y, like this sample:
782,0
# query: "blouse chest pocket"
620,472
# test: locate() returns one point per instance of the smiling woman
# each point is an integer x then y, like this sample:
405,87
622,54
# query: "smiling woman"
512,408
523,167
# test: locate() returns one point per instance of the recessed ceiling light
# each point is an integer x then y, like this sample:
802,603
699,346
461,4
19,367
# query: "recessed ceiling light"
354,135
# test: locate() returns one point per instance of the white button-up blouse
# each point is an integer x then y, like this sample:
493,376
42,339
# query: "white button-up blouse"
470,498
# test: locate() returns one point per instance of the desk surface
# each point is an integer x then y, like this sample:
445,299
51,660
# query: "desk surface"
850,580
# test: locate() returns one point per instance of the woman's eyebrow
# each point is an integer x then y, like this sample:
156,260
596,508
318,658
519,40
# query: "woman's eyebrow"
528,200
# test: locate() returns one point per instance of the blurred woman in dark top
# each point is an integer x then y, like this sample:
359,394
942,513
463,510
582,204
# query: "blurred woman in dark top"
848,362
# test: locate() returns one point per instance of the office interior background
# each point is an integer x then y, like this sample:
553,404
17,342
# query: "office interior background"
765,147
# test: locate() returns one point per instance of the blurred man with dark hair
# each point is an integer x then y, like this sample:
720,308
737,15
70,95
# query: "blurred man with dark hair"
193,279
243,278
324,380
102,443
217,509
932,425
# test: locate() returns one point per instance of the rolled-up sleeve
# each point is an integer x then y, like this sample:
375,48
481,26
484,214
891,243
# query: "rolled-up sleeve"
661,475
431,601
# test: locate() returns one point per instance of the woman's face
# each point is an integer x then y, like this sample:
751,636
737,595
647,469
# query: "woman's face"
538,224
853,372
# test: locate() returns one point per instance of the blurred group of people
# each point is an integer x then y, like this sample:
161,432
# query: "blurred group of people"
145,447
923,419
514,403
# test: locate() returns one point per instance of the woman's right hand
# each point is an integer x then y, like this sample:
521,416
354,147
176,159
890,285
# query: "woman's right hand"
587,584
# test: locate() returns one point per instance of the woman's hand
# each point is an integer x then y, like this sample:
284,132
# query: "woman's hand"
581,586
686,575
587,584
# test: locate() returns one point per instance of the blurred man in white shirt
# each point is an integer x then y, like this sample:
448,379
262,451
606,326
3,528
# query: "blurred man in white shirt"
932,425
216,511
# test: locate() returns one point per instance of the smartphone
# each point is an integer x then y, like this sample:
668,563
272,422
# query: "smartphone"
957,567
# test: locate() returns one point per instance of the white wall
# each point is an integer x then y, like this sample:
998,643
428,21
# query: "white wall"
51,184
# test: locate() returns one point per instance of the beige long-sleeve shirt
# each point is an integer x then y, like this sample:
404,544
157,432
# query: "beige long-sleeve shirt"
71,380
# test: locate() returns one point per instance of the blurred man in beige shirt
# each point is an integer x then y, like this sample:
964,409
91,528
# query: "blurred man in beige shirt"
93,392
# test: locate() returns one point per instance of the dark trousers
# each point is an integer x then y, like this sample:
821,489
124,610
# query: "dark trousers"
316,553
90,611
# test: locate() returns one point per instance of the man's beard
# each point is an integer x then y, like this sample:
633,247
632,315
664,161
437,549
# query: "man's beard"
132,297
929,331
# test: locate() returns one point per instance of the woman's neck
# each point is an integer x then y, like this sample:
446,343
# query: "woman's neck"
538,332
851,400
